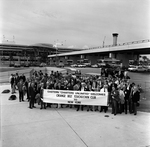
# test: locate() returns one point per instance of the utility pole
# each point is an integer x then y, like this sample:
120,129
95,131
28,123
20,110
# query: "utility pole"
56,47
104,41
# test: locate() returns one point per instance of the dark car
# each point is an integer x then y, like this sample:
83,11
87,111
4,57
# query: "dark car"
26,65
11,65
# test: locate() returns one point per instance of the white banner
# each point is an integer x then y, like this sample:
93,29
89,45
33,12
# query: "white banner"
75,97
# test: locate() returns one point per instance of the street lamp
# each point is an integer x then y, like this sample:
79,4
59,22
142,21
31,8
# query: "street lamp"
56,47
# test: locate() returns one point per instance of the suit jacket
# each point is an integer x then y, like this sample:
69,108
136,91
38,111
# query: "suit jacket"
20,86
115,95
32,92
127,92
136,97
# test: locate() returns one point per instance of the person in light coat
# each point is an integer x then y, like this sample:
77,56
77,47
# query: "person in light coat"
122,100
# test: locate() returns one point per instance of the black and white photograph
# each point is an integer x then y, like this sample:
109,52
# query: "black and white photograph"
75,73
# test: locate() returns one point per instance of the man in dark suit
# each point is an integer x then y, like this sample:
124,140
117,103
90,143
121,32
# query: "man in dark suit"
20,89
127,92
32,93
115,99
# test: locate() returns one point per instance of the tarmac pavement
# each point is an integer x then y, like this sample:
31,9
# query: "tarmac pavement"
65,127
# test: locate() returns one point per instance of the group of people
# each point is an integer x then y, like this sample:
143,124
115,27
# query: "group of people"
123,96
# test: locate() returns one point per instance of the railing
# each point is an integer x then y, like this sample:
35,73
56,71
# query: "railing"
126,43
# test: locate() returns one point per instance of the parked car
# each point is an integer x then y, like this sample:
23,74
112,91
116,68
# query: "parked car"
94,65
42,64
11,65
17,65
148,68
141,69
81,65
26,65
132,68
74,65
61,64
137,69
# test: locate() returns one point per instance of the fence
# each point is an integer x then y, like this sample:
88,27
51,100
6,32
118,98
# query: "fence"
126,43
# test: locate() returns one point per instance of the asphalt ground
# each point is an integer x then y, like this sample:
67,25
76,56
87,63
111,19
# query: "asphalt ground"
65,127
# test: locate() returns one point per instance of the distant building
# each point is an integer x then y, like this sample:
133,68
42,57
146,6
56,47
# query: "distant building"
10,52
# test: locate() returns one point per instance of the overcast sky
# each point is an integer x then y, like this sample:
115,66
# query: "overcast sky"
76,23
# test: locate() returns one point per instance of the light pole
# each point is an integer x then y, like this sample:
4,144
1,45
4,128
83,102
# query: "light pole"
104,41
56,47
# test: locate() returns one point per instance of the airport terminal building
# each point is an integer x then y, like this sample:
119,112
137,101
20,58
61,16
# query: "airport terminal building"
12,53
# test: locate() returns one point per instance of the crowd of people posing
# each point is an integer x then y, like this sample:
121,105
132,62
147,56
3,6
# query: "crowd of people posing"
123,96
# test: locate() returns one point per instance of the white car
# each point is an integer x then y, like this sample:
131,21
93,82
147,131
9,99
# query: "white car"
42,65
81,65
74,65
141,69
132,68
95,65
60,64
147,67
137,68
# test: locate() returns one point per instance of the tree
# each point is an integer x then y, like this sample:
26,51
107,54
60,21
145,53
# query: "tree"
10,58
43,57
144,58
